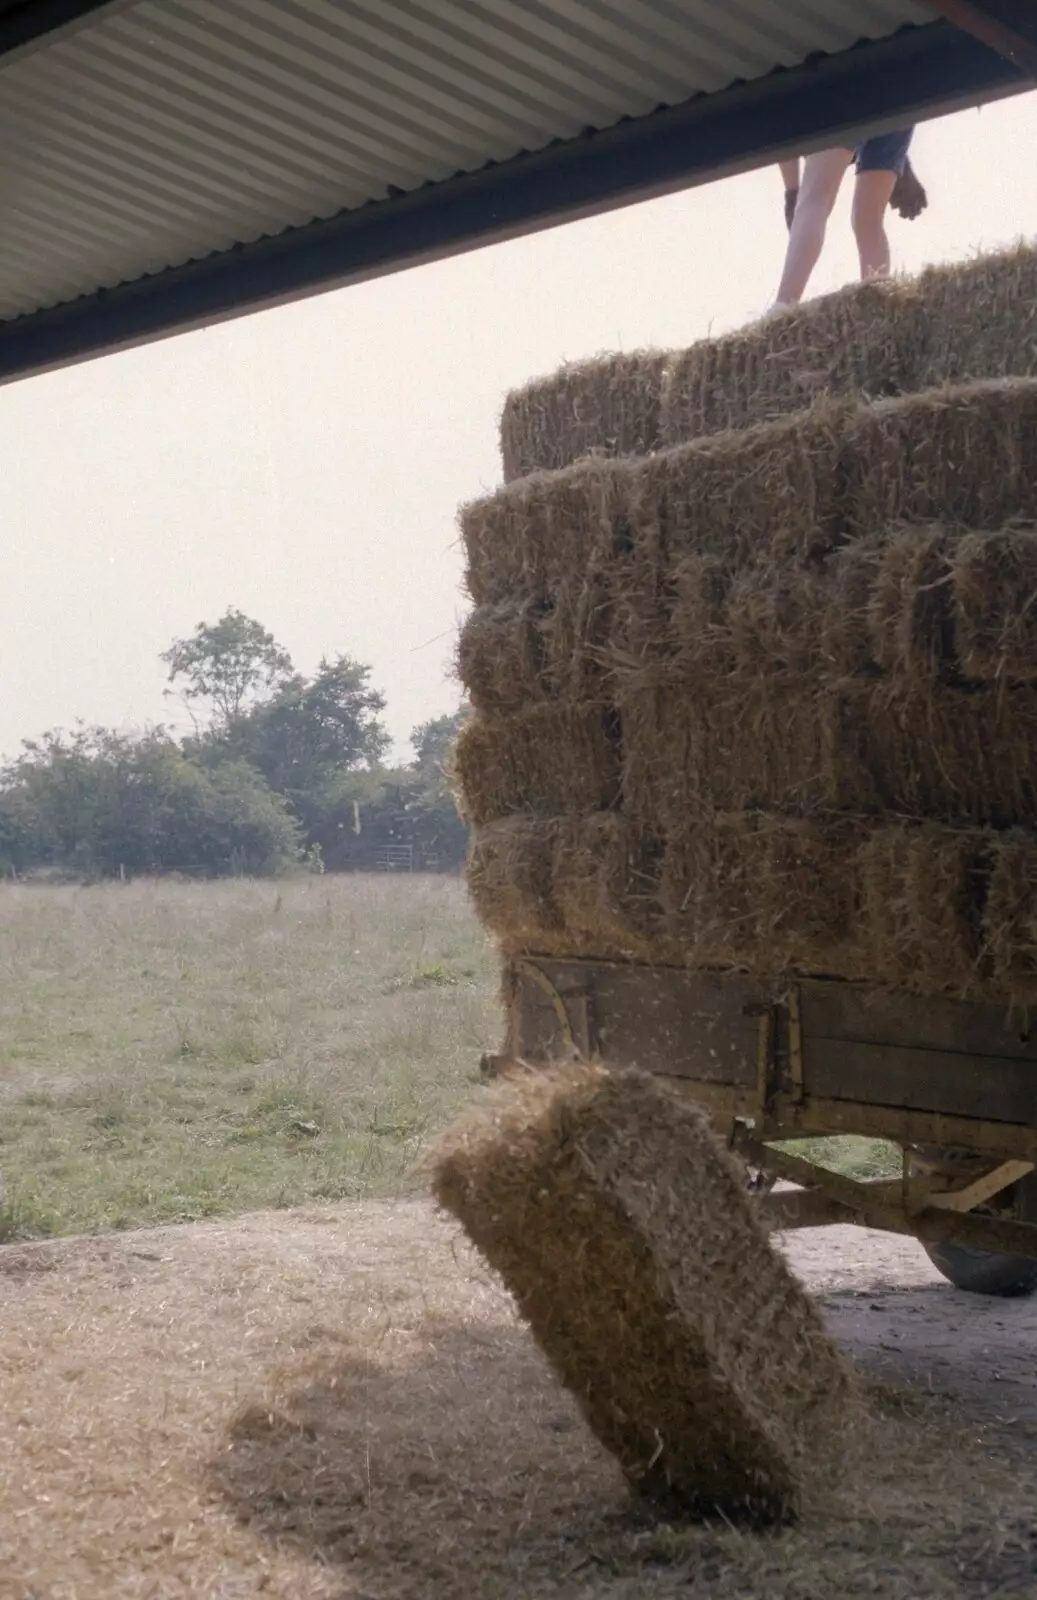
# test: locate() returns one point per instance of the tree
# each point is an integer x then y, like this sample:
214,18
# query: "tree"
433,742
98,802
229,663
313,730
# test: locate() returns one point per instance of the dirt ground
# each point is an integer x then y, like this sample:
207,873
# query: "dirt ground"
338,1402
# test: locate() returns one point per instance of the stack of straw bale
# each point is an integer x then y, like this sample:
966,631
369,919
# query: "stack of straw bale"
754,647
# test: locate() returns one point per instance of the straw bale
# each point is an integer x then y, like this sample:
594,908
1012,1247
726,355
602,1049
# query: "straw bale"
922,891
509,880
773,488
866,340
500,656
611,405
933,751
1011,916
848,578
547,760
775,616
605,885
540,531
982,318
910,607
994,578
791,743
966,456
625,1234
728,744
522,652
763,892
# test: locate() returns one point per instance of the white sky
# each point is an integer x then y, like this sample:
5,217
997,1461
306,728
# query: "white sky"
305,464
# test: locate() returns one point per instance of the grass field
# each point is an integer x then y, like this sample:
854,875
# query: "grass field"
173,1051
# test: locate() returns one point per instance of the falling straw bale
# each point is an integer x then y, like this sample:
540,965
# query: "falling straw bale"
994,579
863,341
548,760
611,406
624,1231
922,892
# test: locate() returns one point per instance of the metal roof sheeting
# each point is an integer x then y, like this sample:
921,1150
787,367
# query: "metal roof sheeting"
158,132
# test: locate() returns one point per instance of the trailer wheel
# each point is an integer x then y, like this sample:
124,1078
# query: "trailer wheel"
981,1271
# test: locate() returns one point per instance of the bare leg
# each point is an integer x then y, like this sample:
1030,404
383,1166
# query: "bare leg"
871,195
822,175
790,172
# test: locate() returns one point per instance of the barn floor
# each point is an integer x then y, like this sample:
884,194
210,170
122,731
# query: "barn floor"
338,1402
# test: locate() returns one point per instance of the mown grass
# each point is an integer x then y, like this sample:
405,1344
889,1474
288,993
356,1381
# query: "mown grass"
176,1051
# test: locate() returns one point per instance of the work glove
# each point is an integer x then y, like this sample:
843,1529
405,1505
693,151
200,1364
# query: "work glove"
909,199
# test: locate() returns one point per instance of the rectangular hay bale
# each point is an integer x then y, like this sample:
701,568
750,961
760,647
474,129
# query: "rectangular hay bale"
605,880
550,760
527,652
610,406
544,530
982,318
1010,916
863,341
730,744
966,456
764,893
922,892
994,604
624,1231
774,488
510,882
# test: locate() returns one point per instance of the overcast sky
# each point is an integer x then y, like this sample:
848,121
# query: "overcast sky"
305,464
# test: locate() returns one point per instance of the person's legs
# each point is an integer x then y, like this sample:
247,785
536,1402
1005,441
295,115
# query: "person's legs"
822,175
871,194
880,162
790,178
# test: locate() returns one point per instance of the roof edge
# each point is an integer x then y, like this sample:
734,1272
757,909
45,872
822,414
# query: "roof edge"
917,73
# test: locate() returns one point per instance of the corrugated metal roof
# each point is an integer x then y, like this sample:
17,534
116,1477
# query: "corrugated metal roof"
164,130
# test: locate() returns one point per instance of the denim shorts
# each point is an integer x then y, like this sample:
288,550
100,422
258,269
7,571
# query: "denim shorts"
885,153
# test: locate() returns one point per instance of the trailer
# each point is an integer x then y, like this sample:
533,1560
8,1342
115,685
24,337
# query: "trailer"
952,1084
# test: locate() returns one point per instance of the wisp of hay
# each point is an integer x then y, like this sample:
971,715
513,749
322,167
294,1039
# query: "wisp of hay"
626,1235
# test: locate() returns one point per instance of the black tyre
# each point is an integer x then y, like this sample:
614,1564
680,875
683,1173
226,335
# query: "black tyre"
981,1271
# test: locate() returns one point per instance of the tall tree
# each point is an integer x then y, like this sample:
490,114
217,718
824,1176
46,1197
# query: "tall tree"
229,664
312,730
